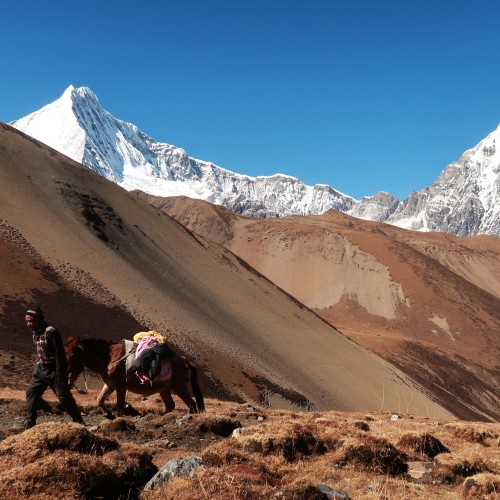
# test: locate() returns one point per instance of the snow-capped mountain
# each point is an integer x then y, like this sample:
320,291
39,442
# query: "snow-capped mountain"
77,126
464,200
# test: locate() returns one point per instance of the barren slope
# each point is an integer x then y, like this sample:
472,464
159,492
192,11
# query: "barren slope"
428,302
119,252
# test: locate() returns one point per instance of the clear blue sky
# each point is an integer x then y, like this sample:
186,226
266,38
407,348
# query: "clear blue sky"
363,95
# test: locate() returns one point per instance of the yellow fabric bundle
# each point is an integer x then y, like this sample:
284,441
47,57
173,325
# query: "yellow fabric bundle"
151,333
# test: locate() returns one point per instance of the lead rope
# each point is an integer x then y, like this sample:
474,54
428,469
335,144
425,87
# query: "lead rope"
85,381
84,373
123,358
86,390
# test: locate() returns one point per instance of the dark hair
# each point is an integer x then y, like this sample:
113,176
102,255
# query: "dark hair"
35,312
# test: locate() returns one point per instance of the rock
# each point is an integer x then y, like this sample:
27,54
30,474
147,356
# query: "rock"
181,466
395,416
339,443
119,424
331,493
183,420
236,433
161,443
420,471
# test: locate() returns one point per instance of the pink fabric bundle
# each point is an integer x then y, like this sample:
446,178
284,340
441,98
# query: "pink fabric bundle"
165,370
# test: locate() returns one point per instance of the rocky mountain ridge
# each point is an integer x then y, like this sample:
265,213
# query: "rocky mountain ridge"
463,201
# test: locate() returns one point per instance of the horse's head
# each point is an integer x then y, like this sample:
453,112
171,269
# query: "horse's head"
75,357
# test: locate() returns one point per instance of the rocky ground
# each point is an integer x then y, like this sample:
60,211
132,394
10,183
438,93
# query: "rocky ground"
244,451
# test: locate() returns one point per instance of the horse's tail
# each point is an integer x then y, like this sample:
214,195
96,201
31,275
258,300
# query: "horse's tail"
198,396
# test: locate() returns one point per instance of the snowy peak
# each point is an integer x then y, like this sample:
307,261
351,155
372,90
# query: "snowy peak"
67,137
464,200
79,127
377,207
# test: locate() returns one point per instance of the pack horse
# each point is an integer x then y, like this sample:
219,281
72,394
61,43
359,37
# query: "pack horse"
108,360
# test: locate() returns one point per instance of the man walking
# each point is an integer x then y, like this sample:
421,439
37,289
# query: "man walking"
50,371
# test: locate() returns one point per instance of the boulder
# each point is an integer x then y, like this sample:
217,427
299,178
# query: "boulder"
331,493
181,466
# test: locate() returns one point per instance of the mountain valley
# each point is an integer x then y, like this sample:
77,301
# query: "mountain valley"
427,302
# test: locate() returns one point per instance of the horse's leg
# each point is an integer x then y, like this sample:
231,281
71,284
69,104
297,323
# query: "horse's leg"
198,396
183,393
121,392
167,399
101,400
180,380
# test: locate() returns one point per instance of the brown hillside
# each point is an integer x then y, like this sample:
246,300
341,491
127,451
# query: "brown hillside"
103,263
428,302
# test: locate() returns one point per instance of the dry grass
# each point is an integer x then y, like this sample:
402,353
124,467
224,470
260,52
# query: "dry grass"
252,453
43,440
62,457
289,455
77,475
424,446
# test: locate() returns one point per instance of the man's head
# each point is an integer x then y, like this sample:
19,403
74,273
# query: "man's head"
34,317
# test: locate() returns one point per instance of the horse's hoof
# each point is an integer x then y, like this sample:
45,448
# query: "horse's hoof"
110,416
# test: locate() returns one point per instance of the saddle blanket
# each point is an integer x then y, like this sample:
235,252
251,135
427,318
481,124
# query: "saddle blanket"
164,375
132,351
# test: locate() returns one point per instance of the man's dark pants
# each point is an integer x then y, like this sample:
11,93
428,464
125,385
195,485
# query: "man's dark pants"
42,378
